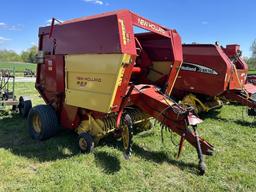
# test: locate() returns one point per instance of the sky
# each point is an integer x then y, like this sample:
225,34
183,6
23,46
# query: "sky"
200,21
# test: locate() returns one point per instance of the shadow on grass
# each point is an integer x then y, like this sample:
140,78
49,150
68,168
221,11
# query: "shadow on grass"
213,114
246,123
154,156
109,163
161,157
14,137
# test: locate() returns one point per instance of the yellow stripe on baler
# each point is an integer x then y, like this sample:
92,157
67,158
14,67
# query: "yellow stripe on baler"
92,79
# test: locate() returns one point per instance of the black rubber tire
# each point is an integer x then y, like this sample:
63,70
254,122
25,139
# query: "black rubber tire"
86,137
24,106
48,119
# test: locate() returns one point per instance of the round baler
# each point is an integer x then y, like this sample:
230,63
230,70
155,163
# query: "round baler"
97,77
211,75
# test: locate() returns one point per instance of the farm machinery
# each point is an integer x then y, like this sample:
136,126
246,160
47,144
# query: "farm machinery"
251,78
29,73
97,78
211,74
7,94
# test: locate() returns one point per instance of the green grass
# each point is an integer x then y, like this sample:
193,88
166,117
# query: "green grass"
252,72
57,165
19,66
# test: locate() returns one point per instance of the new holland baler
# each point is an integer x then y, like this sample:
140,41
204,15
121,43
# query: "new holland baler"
211,74
92,75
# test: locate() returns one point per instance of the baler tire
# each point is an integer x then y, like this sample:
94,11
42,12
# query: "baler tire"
86,140
24,107
42,122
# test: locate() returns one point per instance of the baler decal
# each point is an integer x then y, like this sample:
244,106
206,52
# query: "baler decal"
89,79
82,81
197,68
145,23
123,31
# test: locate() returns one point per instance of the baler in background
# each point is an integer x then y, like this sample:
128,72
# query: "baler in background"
251,78
211,74
97,78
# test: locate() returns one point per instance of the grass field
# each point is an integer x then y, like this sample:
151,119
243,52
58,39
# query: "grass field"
252,72
57,165
19,67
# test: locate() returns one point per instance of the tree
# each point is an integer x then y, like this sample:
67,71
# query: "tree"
253,49
9,55
29,55
252,60
252,63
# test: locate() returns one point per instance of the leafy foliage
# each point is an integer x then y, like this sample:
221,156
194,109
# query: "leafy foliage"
253,49
28,56
9,55
252,60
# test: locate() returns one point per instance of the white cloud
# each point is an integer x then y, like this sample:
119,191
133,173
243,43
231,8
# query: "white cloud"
4,26
97,2
3,40
204,22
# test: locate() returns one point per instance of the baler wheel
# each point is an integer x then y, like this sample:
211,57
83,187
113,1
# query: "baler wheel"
127,133
85,142
24,106
42,122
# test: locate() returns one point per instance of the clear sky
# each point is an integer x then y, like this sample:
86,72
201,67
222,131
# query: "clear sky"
201,21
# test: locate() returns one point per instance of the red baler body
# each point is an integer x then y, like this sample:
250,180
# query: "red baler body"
138,87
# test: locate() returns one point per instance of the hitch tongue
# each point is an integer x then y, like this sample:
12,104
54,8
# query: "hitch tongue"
201,165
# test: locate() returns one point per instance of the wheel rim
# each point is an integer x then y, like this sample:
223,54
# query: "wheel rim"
125,137
82,143
37,126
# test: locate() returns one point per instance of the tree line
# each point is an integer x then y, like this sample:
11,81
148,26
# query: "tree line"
252,60
28,56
